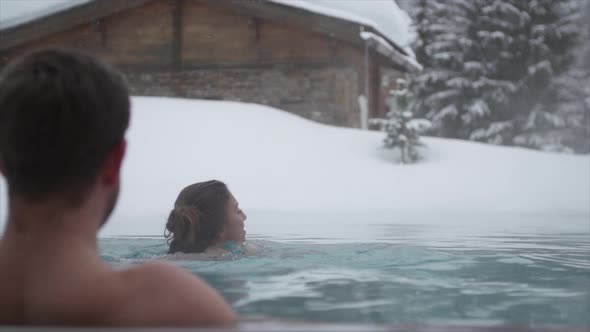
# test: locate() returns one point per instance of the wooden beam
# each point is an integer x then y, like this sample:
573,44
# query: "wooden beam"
100,28
242,65
177,25
256,28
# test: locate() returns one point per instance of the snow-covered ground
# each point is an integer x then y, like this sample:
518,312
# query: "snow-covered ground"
275,161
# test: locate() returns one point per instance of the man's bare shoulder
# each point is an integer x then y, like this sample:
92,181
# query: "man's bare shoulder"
162,294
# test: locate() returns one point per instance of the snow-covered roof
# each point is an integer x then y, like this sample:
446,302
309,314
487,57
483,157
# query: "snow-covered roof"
384,16
382,46
391,26
14,13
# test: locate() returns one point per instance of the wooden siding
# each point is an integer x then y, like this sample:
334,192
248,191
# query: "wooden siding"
139,37
184,36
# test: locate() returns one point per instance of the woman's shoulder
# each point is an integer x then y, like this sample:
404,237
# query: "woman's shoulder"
202,256
211,254
256,247
227,251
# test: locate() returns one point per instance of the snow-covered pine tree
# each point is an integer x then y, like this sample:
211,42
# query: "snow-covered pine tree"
498,37
402,130
562,122
550,39
436,48
560,117
457,90
424,13
487,63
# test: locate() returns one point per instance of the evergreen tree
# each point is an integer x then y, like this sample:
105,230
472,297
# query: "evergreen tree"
497,50
562,122
436,49
489,63
403,131
550,36
560,117
458,90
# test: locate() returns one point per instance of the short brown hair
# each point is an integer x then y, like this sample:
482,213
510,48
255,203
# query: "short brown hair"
61,113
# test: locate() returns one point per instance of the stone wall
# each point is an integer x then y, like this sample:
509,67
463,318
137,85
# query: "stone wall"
326,94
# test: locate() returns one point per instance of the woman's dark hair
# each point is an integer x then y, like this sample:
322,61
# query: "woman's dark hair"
199,214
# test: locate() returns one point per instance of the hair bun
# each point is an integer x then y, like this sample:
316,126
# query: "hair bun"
182,218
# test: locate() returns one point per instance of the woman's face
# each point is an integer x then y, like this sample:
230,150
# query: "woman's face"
234,229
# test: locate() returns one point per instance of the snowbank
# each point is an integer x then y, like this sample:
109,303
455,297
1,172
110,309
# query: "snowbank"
275,161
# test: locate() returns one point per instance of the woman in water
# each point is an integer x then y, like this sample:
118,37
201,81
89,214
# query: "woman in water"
206,219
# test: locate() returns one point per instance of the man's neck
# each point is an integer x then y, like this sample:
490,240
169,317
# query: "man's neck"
51,224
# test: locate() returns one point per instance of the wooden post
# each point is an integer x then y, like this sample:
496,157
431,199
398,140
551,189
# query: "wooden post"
100,28
256,22
176,13
366,91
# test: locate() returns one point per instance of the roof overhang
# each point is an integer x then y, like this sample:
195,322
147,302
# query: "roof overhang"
84,12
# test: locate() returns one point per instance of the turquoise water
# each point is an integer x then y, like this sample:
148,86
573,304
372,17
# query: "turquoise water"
409,274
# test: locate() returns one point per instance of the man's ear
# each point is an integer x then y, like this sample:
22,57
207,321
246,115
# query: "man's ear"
112,165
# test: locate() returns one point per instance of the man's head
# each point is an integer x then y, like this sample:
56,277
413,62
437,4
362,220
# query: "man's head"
63,116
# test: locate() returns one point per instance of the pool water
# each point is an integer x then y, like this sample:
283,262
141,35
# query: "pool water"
399,274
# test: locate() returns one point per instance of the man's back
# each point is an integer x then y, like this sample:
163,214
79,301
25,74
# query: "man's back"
79,290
